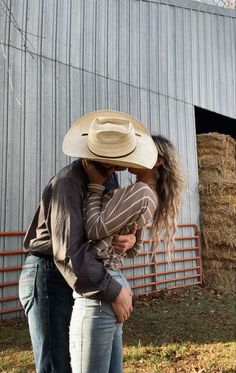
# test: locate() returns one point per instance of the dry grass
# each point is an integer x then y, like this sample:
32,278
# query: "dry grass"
184,331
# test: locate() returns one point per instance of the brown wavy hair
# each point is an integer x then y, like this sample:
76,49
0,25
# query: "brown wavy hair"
170,185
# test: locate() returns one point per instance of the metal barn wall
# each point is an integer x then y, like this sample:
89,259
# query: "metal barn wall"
60,59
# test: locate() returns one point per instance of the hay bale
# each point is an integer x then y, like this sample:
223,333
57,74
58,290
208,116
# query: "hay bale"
218,195
217,190
218,251
218,219
218,265
220,274
222,280
215,144
216,163
217,175
220,237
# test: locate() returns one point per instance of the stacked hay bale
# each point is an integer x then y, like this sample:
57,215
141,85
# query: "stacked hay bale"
217,188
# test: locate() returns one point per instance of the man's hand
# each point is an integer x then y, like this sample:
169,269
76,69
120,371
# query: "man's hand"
124,242
122,305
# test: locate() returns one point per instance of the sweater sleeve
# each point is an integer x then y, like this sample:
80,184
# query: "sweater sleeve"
138,246
105,216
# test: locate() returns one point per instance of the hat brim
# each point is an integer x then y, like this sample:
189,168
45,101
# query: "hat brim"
76,140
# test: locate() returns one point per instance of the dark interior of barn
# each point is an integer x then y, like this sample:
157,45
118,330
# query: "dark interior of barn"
208,121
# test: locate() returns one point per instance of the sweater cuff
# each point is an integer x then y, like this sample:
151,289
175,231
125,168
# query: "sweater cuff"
96,188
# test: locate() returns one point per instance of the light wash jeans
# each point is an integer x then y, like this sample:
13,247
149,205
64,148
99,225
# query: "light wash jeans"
95,335
47,301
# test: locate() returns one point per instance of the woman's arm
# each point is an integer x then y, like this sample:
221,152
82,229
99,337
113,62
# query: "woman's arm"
133,249
107,215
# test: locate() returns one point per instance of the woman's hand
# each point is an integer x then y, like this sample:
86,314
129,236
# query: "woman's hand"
124,242
94,174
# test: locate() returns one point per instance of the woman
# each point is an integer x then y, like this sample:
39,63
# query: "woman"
95,335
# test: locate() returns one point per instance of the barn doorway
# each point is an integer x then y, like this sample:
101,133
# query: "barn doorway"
208,121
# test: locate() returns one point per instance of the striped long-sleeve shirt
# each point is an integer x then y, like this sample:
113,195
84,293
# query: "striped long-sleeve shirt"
116,212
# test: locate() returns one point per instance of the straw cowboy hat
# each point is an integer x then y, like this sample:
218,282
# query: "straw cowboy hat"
111,137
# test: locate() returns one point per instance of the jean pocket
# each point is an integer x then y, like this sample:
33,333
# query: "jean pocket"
107,309
27,286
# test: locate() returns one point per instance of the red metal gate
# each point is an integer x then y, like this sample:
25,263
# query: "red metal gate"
145,273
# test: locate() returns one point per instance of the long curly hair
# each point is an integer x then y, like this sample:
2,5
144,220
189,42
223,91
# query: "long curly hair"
170,185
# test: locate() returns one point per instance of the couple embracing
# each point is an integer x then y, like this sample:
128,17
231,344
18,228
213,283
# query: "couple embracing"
71,287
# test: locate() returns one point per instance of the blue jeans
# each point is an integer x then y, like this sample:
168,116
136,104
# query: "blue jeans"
95,335
47,301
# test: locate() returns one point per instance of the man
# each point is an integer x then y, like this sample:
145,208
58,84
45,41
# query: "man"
55,239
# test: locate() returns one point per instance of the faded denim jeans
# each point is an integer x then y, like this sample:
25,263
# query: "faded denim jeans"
47,301
95,335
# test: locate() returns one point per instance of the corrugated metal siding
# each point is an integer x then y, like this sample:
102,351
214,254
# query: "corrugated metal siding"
60,59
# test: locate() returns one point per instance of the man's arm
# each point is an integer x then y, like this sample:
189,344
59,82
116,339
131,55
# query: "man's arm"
67,233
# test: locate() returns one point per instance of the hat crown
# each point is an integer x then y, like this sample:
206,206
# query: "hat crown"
126,142
111,137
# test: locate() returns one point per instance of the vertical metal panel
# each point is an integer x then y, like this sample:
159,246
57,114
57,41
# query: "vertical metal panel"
47,121
48,29
187,56
154,48
144,41
101,58
222,64
112,39
77,33
195,58
63,31
62,112
154,113
15,11
101,92
124,41
76,94
216,62
232,72
179,57
171,47
32,158
145,107
89,54
209,62
15,142
134,101
230,42
124,97
202,58
162,50
134,27
112,95
4,76
33,27
62,79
